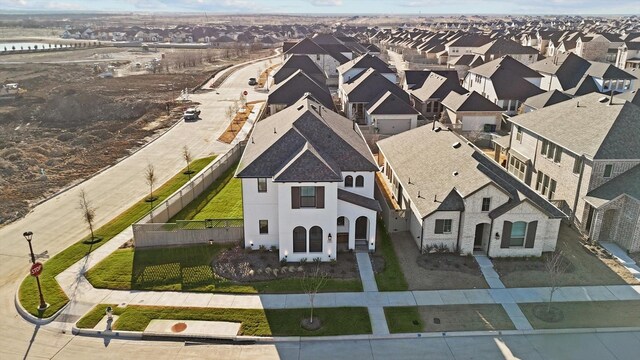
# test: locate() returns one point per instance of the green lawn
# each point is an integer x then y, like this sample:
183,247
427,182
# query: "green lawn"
186,268
391,278
221,200
53,294
255,322
404,319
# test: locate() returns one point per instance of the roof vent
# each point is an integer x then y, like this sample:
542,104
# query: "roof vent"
437,129
455,173
300,107
307,94
603,99
456,145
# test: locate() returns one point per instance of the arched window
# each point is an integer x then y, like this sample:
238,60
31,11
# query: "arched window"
348,181
299,239
315,239
360,181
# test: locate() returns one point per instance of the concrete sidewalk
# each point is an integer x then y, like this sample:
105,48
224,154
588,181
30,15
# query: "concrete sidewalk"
621,256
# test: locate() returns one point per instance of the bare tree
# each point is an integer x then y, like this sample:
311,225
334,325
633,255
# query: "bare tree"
150,177
186,155
555,266
88,211
311,284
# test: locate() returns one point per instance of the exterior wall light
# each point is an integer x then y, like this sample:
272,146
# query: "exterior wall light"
497,236
329,237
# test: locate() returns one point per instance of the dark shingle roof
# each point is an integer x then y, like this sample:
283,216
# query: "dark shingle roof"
364,62
504,46
306,46
289,91
469,102
508,64
388,103
368,85
285,144
299,62
437,87
546,99
625,183
359,200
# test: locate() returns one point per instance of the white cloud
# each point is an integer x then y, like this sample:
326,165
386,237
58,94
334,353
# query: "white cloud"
326,2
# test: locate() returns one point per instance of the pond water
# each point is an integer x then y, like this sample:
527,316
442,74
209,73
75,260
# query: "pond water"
25,45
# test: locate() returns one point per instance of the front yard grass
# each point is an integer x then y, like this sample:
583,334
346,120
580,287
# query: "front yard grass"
585,268
255,322
221,200
474,317
187,268
391,278
587,314
53,294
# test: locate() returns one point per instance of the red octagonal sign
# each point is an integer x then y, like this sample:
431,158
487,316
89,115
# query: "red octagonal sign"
36,269
246,93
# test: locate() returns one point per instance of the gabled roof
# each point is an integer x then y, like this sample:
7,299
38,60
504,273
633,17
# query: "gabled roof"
438,182
626,183
289,91
437,87
306,46
608,71
284,144
469,102
366,61
546,99
586,85
388,103
594,128
470,40
298,62
568,68
359,200
504,46
368,85
508,64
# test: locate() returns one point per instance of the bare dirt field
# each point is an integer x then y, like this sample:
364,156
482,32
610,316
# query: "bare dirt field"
477,317
585,266
435,271
70,123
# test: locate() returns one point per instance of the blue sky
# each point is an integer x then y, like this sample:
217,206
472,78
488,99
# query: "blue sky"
424,7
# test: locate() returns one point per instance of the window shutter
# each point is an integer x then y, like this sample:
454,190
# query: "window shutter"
506,235
531,234
295,197
320,197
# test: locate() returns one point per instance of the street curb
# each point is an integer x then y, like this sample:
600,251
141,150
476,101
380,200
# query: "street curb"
138,335
33,319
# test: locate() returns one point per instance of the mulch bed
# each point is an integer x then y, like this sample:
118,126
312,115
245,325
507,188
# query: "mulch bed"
243,265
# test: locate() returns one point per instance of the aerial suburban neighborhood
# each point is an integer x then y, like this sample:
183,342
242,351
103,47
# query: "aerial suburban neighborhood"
319,180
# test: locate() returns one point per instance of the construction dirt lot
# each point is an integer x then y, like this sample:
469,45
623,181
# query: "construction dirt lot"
70,123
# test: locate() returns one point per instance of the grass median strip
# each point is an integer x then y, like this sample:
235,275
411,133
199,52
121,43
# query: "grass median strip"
472,317
584,314
255,322
187,268
53,294
391,278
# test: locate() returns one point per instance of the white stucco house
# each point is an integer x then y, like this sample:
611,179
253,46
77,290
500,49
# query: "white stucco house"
308,184
447,193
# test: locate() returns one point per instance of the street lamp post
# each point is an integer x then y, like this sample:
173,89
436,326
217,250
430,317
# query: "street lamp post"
28,236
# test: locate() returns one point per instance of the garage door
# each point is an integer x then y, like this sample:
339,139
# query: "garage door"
476,123
393,126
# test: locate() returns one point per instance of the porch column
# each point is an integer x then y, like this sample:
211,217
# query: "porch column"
372,232
352,233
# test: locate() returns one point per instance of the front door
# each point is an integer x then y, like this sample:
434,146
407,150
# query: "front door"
477,242
361,228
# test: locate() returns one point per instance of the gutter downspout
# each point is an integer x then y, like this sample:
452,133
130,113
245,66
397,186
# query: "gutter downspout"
575,200
422,235
459,227
489,243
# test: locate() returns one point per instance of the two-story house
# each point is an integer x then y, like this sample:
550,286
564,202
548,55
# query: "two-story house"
354,67
287,92
427,98
567,150
448,193
505,81
307,184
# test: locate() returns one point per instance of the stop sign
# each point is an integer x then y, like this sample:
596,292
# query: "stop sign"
36,269
245,93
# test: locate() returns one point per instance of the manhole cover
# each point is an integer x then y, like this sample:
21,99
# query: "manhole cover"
436,320
179,327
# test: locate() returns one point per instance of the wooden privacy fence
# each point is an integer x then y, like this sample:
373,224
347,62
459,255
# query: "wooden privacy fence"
188,232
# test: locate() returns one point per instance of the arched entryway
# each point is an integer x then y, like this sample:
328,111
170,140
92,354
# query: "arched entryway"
342,234
362,228
481,237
